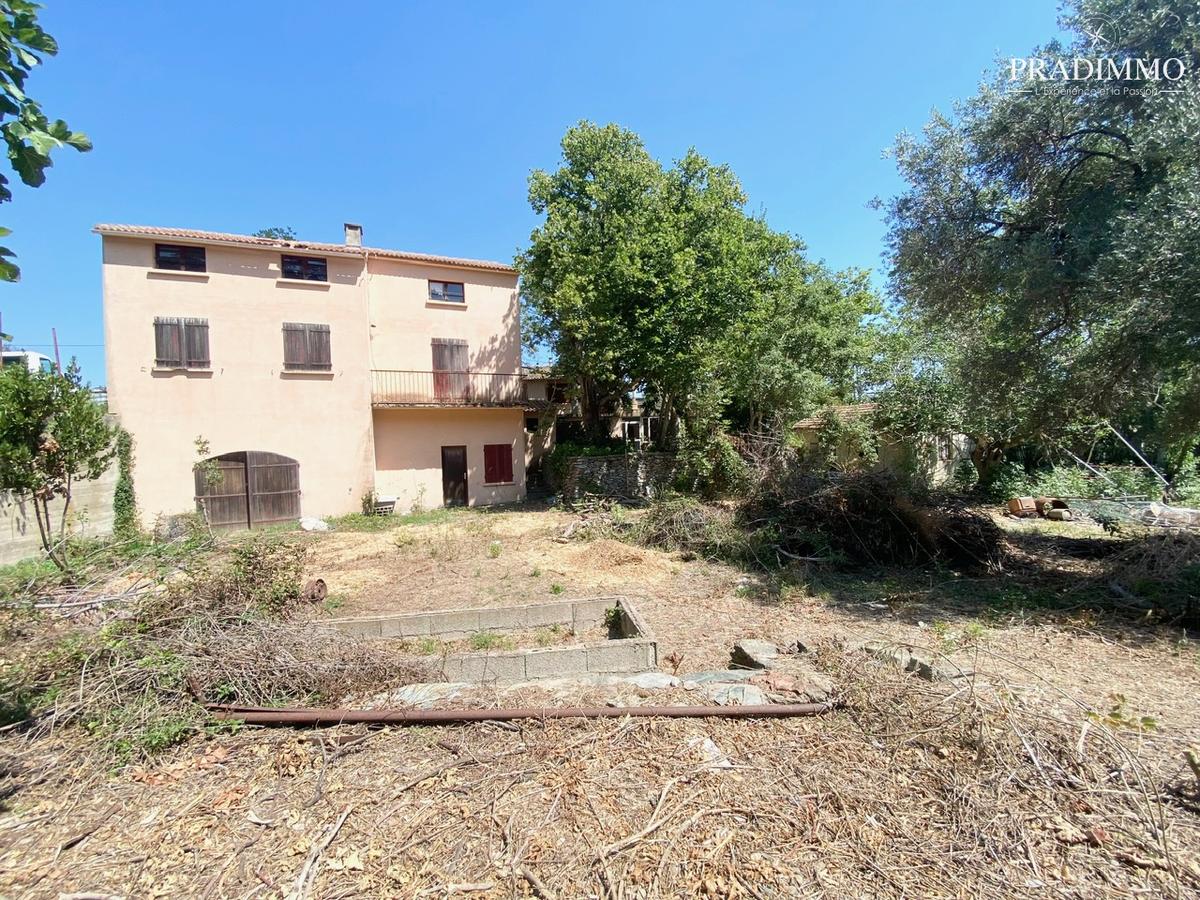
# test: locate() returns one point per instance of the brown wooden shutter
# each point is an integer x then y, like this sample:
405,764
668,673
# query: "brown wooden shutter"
168,343
504,461
295,346
497,463
490,470
319,355
195,339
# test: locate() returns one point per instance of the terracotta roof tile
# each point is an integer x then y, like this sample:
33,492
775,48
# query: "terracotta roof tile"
844,411
191,234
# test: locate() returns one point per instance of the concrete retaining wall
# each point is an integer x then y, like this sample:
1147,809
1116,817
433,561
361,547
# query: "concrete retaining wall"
91,515
634,650
633,474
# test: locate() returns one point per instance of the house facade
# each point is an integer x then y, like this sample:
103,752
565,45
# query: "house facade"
266,379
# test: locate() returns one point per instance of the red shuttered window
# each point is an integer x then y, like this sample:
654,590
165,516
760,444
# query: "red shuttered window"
497,464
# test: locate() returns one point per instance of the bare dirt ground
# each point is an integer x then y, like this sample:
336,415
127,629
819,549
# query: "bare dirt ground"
1057,769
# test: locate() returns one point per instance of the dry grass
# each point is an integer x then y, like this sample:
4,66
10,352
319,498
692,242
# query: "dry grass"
1035,777
915,790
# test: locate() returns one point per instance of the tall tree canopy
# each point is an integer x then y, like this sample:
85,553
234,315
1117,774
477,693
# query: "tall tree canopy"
1049,238
29,136
657,278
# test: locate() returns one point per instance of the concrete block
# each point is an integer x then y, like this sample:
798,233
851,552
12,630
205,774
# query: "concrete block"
454,622
541,615
391,628
556,663
452,668
617,656
414,626
493,667
501,618
364,628
588,613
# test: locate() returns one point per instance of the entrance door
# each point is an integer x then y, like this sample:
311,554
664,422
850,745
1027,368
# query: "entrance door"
454,476
248,488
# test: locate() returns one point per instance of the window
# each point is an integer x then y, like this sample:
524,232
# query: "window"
182,258
181,343
531,424
497,464
304,268
306,347
447,292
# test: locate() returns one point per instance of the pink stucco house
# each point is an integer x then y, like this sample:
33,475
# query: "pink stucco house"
306,375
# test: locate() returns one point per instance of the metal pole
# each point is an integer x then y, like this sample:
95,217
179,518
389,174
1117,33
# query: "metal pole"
316,717
57,361
1134,450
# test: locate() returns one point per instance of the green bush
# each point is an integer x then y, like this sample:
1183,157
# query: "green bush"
1011,480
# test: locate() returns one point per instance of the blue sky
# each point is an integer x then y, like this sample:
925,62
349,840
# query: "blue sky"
423,120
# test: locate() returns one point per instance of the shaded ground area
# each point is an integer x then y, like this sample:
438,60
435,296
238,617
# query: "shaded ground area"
1056,766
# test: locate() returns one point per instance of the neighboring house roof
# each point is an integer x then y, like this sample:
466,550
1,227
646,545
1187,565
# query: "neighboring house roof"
845,411
246,240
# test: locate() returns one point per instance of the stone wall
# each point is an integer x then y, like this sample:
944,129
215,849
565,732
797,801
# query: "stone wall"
633,474
91,515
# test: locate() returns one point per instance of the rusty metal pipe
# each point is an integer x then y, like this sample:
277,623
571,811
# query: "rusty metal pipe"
302,716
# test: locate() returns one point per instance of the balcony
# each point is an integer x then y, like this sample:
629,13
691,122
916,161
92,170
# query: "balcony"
397,387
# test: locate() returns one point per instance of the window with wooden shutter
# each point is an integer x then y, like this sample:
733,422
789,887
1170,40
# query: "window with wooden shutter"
306,347
497,464
181,343
195,341
450,378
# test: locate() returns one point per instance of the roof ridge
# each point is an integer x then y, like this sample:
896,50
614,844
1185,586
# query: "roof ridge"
250,240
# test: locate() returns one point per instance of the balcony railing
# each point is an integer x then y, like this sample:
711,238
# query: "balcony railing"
395,387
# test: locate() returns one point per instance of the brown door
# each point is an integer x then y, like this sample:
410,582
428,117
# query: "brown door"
454,476
221,491
274,487
248,488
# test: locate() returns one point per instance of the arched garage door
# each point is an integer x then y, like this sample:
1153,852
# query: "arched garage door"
248,488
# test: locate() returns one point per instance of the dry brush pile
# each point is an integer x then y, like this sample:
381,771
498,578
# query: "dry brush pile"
915,789
135,676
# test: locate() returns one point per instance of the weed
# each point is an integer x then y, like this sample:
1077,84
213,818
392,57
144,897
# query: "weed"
556,588
536,573
333,603
493,550
489,640
430,646
1118,717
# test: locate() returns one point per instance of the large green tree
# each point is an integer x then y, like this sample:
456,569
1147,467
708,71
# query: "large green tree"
29,136
1049,238
658,279
52,433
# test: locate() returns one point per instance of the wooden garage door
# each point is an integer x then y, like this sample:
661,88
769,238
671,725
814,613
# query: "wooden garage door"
248,488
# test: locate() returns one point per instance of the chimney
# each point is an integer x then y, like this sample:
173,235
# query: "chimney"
353,235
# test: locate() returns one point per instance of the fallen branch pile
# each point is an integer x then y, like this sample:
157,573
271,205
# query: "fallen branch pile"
917,789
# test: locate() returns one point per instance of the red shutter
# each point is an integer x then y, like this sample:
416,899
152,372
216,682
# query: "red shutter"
490,467
504,452
497,464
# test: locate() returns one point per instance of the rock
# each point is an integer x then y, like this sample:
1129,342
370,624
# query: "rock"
809,687
800,645
312,523
910,660
754,654
653,681
725,694
424,696
694,680
712,756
